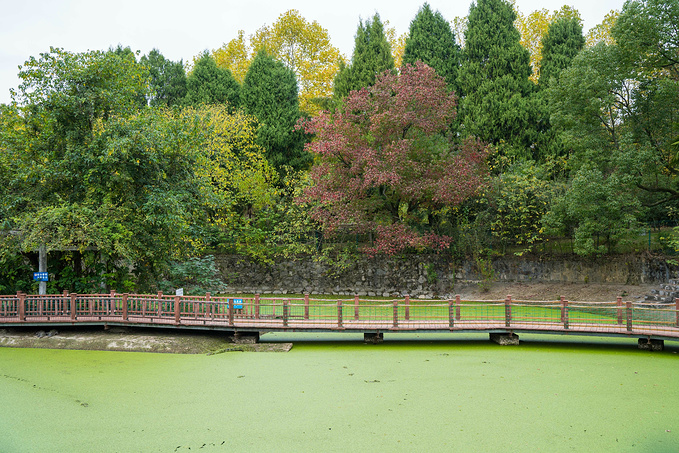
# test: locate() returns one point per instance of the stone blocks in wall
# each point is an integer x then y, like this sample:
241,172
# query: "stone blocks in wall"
429,276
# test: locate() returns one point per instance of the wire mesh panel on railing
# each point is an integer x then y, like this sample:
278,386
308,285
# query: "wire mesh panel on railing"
655,319
537,313
426,314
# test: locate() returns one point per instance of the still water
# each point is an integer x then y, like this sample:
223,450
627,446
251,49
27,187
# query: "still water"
334,393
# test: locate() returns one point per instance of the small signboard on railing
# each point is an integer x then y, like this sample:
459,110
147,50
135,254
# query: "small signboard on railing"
41,276
237,304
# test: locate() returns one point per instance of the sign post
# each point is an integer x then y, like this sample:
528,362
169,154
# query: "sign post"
42,268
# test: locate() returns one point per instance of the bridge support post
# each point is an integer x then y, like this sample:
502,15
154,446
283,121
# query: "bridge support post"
651,344
628,306
564,312
676,308
508,311
230,310
618,303
125,310
407,307
373,337
505,339
395,314
306,305
340,322
457,307
245,337
177,313
451,315
256,306
74,306
286,309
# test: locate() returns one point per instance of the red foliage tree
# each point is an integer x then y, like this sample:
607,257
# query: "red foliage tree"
386,162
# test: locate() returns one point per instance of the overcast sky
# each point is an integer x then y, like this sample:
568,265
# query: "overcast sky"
181,30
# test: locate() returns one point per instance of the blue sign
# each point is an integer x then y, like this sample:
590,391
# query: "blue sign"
238,304
41,276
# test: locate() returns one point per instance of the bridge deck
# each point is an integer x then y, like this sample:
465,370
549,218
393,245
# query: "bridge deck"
351,315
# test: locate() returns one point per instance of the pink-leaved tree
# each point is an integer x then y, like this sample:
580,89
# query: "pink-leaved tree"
387,163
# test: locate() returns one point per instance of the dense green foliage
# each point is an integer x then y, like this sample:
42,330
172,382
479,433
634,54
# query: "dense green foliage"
270,95
493,79
127,169
372,56
564,40
432,42
209,84
167,79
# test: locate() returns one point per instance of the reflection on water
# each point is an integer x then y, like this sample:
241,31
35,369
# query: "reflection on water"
334,393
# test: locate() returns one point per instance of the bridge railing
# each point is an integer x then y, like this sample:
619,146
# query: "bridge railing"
347,313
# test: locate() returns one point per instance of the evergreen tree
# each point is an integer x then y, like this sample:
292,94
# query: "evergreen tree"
167,79
560,45
209,84
270,94
493,79
562,42
127,54
432,42
372,56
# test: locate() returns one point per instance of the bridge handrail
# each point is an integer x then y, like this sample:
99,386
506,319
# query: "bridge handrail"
341,313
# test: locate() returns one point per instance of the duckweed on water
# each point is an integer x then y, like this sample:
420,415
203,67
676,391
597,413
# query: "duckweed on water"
334,393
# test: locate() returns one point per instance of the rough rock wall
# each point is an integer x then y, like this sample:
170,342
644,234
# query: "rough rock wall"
428,276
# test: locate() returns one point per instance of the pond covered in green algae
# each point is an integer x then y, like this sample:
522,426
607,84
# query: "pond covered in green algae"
334,393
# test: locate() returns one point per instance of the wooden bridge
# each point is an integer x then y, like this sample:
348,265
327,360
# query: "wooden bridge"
255,315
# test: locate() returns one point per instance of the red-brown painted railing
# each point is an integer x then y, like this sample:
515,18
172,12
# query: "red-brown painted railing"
266,314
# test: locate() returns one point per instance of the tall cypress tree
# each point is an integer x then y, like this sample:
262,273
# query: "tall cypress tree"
560,45
168,79
210,84
432,42
493,78
563,41
270,94
372,56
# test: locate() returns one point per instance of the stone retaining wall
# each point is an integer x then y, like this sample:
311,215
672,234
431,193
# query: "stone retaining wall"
428,276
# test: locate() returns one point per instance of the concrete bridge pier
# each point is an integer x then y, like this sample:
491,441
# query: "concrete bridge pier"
651,344
505,339
373,337
244,337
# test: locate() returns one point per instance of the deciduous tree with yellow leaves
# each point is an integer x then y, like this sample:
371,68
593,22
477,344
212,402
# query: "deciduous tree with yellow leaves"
301,45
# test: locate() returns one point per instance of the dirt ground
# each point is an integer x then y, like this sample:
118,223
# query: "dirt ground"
130,339
580,292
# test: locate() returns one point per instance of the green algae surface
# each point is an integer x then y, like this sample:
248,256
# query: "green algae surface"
334,393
